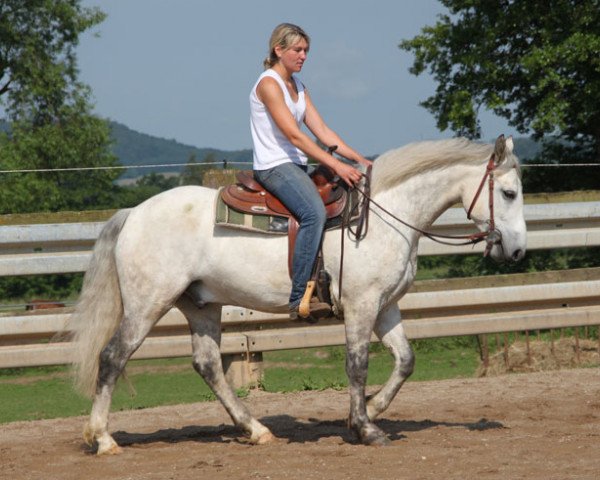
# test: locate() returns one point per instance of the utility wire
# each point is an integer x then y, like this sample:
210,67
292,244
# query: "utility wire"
122,167
226,163
555,165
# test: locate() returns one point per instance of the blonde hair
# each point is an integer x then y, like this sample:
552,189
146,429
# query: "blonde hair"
285,35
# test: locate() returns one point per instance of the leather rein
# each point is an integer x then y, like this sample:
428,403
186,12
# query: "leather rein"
492,236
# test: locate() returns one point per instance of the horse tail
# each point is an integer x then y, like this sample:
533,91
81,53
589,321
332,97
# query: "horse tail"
99,309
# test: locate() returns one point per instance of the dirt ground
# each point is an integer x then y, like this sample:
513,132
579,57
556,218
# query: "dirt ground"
537,426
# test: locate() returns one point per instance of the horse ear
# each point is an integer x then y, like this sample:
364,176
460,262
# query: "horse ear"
510,145
500,148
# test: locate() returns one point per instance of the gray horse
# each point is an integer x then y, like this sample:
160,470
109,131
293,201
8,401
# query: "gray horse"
146,258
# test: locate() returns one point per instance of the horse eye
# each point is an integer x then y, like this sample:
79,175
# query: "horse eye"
509,194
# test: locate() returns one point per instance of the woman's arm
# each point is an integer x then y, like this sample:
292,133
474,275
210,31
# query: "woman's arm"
319,128
269,92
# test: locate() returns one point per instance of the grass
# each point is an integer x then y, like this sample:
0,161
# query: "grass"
317,369
46,392
40,393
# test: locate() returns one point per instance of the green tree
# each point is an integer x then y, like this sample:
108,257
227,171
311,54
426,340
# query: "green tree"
193,172
49,110
146,187
535,63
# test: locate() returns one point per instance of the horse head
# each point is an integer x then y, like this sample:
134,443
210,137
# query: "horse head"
501,213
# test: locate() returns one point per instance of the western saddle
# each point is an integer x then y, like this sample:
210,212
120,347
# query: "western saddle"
248,196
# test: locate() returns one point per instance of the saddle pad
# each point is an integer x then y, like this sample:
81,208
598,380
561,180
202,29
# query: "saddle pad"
226,216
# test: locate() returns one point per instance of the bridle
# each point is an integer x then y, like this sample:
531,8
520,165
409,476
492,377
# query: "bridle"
492,236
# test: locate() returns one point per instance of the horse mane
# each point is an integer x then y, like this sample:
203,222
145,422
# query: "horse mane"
396,166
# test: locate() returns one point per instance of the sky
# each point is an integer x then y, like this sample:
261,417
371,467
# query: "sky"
183,69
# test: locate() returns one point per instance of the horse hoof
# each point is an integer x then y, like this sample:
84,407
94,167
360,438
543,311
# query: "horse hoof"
379,441
112,450
374,437
265,438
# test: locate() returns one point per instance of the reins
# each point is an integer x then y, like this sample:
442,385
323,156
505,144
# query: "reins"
491,235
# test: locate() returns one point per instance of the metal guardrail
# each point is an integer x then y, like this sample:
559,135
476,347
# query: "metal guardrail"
26,339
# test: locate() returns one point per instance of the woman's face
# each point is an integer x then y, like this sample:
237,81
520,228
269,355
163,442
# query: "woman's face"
293,57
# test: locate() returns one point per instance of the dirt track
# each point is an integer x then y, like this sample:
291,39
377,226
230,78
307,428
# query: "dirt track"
539,425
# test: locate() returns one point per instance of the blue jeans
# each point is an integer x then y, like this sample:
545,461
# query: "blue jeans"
293,187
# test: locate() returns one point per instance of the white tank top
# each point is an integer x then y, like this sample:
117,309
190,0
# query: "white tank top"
271,146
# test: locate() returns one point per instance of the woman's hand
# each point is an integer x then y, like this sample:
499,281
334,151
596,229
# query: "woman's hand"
364,161
347,173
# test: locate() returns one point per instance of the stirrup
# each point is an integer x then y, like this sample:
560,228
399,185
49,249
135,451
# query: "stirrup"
304,307
312,307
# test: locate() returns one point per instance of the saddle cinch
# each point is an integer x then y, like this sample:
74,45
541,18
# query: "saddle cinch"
248,196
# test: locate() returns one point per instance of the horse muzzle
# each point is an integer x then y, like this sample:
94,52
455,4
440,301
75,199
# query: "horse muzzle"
500,250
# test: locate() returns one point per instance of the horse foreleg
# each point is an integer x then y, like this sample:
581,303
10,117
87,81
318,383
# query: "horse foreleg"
389,329
357,362
205,325
125,341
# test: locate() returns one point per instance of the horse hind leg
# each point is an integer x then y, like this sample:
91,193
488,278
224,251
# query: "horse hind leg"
128,337
389,329
205,326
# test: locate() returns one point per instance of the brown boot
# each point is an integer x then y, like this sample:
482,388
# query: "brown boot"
319,309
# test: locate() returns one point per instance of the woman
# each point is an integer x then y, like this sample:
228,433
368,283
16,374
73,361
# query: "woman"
279,104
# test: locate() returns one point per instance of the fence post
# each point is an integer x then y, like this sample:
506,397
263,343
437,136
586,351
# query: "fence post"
243,369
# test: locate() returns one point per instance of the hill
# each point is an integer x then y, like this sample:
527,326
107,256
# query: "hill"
135,148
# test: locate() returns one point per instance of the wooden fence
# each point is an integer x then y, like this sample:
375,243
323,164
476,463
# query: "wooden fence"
431,309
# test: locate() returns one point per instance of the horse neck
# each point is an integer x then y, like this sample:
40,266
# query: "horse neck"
421,199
